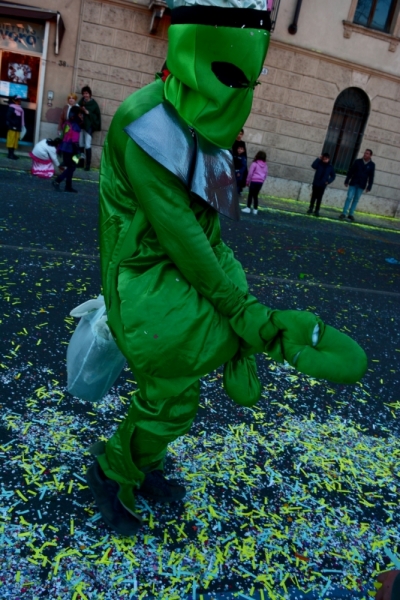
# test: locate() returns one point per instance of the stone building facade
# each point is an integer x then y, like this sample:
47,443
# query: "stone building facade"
117,54
306,73
116,46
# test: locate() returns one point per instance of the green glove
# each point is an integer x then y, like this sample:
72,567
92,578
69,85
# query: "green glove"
316,349
241,382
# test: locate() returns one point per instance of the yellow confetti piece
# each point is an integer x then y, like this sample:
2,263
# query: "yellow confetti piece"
20,494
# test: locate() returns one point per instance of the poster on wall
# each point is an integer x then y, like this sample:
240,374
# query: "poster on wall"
13,89
19,74
21,35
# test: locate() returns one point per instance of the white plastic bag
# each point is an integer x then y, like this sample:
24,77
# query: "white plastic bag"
22,133
93,359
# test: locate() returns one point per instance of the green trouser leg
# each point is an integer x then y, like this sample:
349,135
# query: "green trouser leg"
160,423
140,442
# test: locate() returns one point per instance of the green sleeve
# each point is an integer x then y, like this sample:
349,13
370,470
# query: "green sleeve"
167,205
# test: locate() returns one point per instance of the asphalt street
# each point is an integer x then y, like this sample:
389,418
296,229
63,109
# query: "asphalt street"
295,498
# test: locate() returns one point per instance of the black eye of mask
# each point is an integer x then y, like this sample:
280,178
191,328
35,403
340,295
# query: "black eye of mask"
230,75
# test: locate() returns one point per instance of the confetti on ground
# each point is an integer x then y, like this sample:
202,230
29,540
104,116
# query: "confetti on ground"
295,498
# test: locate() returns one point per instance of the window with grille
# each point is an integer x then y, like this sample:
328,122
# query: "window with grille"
346,128
376,14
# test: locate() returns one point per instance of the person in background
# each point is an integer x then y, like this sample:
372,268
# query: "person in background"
240,163
360,178
257,175
239,143
70,149
15,123
324,175
91,123
71,101
44,158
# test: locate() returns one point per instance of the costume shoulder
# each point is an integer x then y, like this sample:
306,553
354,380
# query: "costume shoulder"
136,105
158,129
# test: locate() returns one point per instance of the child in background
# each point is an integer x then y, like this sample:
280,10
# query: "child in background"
324,175
240,162
240,157
256,177
15,125
70,149
44,158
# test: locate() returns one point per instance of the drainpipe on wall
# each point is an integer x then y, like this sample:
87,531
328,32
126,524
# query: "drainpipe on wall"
158,8
75,74
292,29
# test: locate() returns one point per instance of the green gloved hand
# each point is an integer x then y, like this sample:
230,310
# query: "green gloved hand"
316,349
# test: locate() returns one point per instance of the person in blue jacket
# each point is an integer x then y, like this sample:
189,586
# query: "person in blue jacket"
324,175
360,178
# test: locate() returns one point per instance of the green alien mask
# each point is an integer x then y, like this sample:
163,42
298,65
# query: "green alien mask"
215,56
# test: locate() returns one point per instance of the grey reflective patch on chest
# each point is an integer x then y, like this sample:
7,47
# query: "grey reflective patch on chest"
168,140
214,179
205,169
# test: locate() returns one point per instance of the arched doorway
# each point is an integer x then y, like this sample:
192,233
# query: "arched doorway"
346,127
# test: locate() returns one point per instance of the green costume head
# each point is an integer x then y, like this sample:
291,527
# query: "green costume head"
215,56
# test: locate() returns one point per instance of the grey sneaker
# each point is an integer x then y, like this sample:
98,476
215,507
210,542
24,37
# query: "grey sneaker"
113,512
342,217
156,487
351,218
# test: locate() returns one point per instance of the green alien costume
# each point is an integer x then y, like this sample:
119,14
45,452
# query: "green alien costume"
177,300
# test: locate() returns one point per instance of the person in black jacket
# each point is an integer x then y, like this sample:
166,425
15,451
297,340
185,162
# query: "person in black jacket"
240,161
15,123
324,175
360,178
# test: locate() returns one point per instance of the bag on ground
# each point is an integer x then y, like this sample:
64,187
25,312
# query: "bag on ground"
94,361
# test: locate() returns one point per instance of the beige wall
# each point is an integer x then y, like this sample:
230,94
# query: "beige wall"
291,109
59,79
320,28
117,55
291,114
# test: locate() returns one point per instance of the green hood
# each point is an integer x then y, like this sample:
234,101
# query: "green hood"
214,69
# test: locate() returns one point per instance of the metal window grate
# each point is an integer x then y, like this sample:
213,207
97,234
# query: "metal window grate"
274,13
346,128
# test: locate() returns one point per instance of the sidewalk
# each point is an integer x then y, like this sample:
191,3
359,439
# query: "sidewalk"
23,164
265,202
326,212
